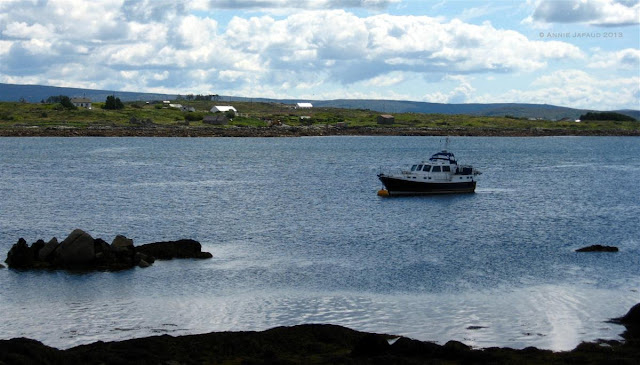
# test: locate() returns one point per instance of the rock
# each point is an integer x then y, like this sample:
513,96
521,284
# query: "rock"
76,250
1,266
370,345
143,264
310,343
631,319
101,247
20,255
139,256
81,251
122,243
409,347
36,247
598,248
174,249
45,253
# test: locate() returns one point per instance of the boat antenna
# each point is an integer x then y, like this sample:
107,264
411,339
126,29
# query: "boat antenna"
446,144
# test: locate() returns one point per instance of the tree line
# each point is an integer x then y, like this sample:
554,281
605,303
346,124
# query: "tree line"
111,102
190,97
607,116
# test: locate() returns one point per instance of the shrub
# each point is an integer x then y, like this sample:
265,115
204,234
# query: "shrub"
606,116
66,103
193,117
113,103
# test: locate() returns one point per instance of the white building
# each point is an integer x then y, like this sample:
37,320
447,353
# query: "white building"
303,105
81,102
223,109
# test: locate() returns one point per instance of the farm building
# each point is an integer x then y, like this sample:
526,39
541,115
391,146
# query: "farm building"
386,119
215,119
223,109
81,102
303,105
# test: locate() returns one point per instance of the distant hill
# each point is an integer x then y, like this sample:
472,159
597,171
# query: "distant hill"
36,93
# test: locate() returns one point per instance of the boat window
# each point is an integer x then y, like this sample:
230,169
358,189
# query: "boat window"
413,168
446,168
426,168
419,167
435,169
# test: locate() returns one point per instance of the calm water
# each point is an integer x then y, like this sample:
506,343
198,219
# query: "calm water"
299,236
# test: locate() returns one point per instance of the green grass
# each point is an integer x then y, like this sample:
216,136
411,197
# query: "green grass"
259,114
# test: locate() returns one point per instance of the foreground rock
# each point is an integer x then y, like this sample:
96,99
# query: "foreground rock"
180,249
80,251
598,248
631,320
308,344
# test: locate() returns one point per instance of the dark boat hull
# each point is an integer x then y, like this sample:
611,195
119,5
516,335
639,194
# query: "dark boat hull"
403,187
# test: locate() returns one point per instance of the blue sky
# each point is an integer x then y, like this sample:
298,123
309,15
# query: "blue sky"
575,53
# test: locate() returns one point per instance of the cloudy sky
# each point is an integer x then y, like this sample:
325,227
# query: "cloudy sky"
575,53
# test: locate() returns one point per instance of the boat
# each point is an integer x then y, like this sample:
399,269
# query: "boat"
440,174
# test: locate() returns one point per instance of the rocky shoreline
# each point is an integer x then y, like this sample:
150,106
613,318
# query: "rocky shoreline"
308,344
80,251
315,344
302,131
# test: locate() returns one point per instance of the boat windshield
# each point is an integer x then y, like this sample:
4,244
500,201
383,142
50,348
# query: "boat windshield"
413,168
446,156
426,168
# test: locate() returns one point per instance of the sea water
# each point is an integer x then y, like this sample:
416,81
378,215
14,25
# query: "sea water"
298,235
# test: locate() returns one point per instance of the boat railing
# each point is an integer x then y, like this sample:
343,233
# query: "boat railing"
387,170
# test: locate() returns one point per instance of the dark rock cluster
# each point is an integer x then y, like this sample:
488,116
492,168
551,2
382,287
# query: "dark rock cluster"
80,251
598,248
631,321
304,344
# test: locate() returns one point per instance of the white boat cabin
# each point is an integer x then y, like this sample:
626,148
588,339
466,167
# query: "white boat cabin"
441,166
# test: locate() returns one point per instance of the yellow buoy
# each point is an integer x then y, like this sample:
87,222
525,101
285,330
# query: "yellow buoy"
383,192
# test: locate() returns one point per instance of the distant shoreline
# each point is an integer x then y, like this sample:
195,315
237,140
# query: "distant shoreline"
185,131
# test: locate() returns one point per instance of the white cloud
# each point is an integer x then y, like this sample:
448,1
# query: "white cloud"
386,80
320,49
626,59
575,88
463,92
595,12
299,4
24,31
196,32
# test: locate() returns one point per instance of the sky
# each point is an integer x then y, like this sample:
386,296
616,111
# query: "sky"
573,53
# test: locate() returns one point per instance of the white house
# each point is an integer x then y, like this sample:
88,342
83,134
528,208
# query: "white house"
81,102
223,109
303,105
